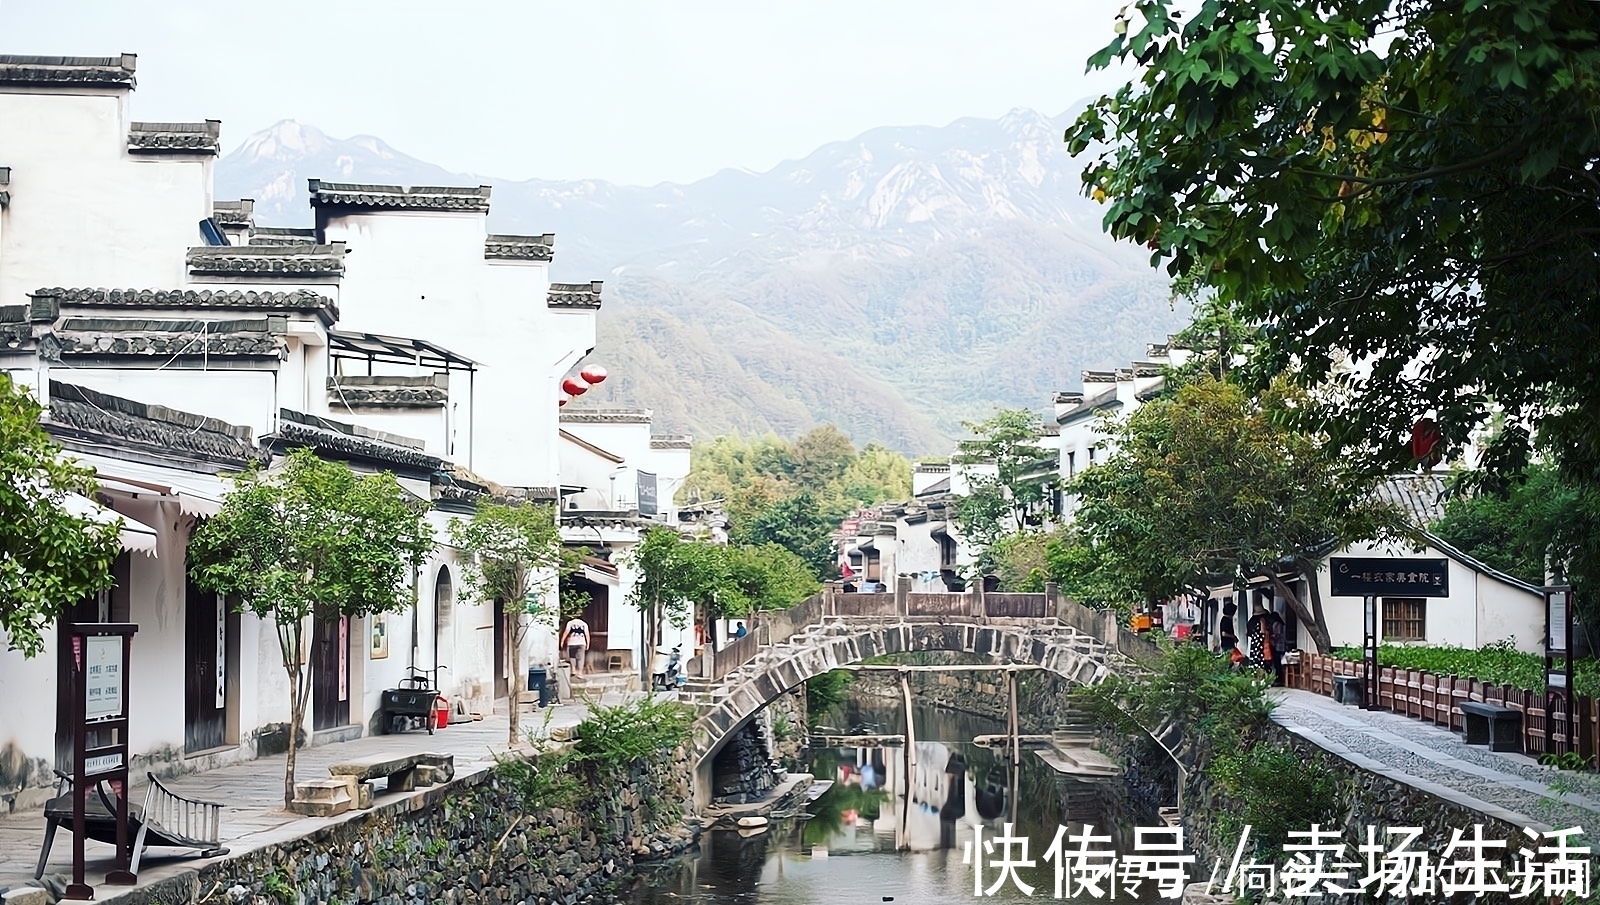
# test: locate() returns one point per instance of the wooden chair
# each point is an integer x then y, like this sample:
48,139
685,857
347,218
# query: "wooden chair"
615,662
165,819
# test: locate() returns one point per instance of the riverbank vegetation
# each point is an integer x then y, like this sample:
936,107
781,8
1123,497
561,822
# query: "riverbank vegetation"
1255,780
606,749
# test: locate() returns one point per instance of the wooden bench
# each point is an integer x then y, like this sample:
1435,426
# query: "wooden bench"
166,819
1349,690
1489,724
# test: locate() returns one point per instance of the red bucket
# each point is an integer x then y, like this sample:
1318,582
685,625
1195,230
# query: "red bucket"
441,712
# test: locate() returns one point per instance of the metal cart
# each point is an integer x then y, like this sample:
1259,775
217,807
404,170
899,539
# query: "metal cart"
411,706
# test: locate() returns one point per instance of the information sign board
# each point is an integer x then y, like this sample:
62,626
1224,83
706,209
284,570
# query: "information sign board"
1387,577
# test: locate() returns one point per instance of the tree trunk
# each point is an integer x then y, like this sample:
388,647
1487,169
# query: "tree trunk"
296,717
289,644
1312,618
514,641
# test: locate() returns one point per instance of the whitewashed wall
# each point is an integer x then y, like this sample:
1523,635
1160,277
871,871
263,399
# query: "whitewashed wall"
75,188
1480,610
424,274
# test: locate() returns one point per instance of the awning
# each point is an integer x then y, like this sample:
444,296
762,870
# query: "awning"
196,493
191,500
136,535
938,528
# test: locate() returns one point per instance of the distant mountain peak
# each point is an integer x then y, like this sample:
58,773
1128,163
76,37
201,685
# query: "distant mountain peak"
925,261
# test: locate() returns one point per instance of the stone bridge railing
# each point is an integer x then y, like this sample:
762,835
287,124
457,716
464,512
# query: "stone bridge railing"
777,626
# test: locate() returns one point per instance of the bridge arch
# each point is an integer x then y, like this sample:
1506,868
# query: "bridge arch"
830,644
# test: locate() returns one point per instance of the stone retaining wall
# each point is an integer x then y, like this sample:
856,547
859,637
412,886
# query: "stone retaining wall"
474,841
1042,704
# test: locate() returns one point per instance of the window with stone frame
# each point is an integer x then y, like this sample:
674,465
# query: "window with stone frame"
1405,619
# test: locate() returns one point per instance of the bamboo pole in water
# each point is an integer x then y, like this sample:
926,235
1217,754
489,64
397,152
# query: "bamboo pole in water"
911,763
1013,728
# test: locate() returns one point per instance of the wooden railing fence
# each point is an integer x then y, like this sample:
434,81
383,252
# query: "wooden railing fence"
1437,699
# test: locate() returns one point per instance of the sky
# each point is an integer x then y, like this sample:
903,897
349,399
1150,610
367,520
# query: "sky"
629,92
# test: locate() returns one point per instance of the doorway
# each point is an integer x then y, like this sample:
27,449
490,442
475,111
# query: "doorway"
444,603
209,631
330,671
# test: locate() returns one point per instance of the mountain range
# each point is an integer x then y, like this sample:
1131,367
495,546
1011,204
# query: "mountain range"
896,284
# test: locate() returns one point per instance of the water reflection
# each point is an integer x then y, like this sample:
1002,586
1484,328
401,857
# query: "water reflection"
849,849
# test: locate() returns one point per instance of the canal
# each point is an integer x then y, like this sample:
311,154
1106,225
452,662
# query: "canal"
846,849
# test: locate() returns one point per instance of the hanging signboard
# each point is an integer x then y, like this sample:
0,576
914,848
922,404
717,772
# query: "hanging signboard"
648,505
222,652
1388,577
344,658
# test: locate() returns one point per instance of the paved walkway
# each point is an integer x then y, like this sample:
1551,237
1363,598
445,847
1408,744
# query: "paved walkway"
1511,787
253,792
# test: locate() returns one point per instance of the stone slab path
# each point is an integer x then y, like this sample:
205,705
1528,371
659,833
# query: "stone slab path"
1510,787
253,795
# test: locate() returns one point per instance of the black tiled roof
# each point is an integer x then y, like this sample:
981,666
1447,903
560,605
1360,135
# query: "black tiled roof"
149,428
574,295
29,70
268,260
175,138
395,197
520,248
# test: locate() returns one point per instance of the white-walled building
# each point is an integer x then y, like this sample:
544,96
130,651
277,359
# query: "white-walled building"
618,481
176,344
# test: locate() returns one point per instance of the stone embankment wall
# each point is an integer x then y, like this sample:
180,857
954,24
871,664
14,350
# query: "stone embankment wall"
785,723
478,840
1042,704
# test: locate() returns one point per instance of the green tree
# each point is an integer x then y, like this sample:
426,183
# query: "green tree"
1005,465
878,475
794,494
312,541
513,559
796,524
1209,486
679,575
1538,515
49,556
764,577
1406,186
821,456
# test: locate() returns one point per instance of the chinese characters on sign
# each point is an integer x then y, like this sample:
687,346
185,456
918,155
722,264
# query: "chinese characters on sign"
1363,577
103,678
1538,866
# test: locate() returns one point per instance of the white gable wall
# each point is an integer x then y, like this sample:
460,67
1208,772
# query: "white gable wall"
1480,610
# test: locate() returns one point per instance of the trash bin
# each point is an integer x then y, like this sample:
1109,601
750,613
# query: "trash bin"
536,682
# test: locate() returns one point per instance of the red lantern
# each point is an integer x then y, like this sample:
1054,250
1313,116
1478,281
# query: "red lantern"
593,374
1425,443
574,386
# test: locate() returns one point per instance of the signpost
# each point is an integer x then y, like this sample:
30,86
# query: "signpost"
1558,663
1372,577
101,652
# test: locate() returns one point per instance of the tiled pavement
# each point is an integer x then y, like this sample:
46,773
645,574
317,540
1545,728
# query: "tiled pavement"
1511,787
253,795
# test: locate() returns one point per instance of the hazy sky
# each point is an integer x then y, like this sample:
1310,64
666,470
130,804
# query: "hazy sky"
631,92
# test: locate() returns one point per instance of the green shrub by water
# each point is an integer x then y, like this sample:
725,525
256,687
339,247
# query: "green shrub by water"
1495,664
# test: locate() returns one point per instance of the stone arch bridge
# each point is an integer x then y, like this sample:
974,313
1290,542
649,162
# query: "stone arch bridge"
833,629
